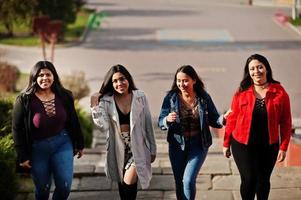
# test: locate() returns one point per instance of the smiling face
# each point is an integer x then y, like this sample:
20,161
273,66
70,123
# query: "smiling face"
258,72
120,83
185,83
45,79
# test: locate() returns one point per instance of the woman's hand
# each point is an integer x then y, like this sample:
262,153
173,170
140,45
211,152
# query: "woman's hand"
79,153
281,156
26,164
171,117
94,100
226,152
226,114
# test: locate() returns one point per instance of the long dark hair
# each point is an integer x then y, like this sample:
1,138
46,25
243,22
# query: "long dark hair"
198,87
247,80
107,85
33,86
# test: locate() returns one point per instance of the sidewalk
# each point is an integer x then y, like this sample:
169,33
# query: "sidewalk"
297,29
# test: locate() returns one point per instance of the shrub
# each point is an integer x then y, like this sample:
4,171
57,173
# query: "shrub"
86,124
15,12
6,106
77,83
8,178
9,75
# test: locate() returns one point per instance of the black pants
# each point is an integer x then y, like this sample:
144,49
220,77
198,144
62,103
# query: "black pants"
255,164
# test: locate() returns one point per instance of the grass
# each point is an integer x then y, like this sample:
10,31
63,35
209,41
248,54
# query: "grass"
296,22
18,28
24,38
21,41
74,31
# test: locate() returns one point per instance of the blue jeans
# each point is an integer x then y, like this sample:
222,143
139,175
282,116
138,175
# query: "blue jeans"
52,157
186,166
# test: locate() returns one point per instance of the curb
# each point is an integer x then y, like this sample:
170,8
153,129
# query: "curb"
264,3
284,20
294,28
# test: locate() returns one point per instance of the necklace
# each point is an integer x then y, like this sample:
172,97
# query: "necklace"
190,101
262,86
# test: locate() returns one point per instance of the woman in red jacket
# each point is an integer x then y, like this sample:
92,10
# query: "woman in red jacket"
259,127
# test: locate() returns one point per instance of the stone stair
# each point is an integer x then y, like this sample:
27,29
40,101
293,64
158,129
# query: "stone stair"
90,178
218,178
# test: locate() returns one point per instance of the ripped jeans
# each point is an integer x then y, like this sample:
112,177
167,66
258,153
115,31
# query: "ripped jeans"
52,157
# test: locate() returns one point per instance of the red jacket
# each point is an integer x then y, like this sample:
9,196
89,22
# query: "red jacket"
279,116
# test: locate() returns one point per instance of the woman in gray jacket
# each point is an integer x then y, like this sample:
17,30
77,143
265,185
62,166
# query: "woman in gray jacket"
121,112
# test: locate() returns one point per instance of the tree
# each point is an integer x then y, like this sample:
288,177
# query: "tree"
79,4
15,11
64,10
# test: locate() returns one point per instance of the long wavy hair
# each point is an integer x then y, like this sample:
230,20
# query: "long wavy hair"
198,87
107,85
33,86
247,80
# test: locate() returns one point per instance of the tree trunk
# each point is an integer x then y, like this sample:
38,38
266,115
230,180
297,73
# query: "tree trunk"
9,29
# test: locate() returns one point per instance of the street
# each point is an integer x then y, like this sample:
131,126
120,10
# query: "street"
153,38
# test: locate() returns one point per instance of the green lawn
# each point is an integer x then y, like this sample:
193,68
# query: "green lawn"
24,38
296,22
74,31
21,40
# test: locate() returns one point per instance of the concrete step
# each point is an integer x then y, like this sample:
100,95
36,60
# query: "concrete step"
218,178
